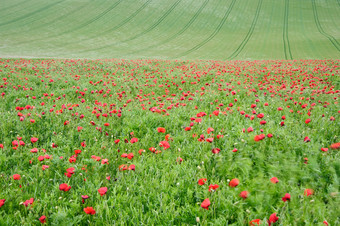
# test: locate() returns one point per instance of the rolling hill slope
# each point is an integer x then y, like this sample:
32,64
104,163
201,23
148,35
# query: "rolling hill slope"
173,29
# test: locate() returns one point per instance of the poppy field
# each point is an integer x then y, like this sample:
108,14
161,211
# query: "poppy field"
156,142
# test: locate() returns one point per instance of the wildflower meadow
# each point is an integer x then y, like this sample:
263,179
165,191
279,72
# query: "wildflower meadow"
156,142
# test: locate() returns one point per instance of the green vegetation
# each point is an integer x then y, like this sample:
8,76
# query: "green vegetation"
178,112
247,120
174,29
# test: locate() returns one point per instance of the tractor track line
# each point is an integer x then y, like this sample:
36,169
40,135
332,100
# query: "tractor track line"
155,24
130,17
212,35
12,6
192,20
143,32
31,13
76,28
32,28
286,45
318,25
249,34
117,26
93,19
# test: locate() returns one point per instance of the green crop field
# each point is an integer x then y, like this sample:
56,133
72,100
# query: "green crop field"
172,112
173,29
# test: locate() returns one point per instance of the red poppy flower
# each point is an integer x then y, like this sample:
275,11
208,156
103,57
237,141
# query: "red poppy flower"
306,139
324,149
201,114
255,222
89,210
307,121
209,130
102,191
161,130
274,180
134,140
198,120
15,143
96,158
244,194
305,160
164,144
42,219
213,187
83,198
210,140
269,135
205,204
187,128
259,137
130,156
79,128
272,219
122,167
132,167
308,192
335,146
44,167
167,137
286,197
202,181
72,159
250,129
261,115
34,139
105,161
106,124
152,149
64,187
234,150
28,202
70,170
83,144
215,150
234,182
2,202
219,136
16,177
34,150
117,141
